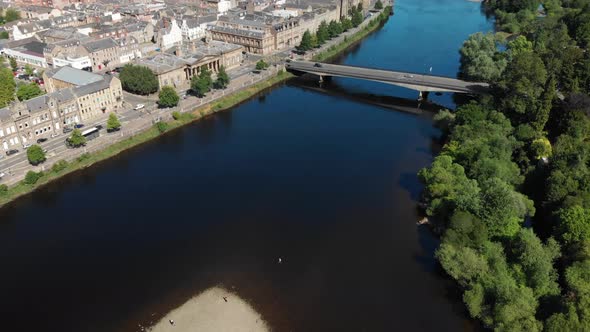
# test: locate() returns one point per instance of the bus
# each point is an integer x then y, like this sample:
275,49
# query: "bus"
91,133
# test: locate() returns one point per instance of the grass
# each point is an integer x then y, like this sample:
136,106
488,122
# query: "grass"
88,159
373,25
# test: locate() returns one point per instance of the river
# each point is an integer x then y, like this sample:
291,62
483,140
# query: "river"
324,180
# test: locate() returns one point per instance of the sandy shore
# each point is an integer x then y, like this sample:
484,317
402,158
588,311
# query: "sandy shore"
209,312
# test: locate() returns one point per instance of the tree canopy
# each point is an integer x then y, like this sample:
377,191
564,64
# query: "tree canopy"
35,155
113,123
138,79
7,87
28,91
222,80
202,83
76,139
168,97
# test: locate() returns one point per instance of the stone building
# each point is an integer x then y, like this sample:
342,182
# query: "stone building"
43,116
177,70
66,77
104,54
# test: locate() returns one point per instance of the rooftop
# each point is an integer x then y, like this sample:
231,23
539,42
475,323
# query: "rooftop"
74,76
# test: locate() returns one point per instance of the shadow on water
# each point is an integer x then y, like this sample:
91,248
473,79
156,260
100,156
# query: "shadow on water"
332,88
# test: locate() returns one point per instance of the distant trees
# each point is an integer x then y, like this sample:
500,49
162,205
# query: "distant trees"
378,5
10,15
13,64
138,79
113,123
7,87
322,34
356,15
334,29
4,35
28,91
35,155
168,97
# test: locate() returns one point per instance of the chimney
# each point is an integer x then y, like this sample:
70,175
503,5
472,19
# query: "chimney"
250,7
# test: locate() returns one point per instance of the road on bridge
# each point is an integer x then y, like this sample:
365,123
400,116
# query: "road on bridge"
413,81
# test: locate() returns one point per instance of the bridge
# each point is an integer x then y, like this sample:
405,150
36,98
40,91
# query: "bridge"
421,83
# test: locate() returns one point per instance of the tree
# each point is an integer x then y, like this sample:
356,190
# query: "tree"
334,29
138,79
574,224
35,155
113,123
306,42
346,24
480,60
222,80
13,64
322,33
28,91
76,139
3,189
261,65
202,83
378,5
357,18
527,92
162,127
29,70
168,97
519,45
4,35
447,188
7,87
11,15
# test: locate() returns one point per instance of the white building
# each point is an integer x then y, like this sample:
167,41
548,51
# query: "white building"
196,27
74,62
27,52
170,36
26,30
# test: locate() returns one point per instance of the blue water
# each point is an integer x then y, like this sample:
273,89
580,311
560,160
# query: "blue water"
325,182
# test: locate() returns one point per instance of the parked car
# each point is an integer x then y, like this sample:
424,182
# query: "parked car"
99,127
54,135
79,125
41,140
67,130
26,146
11,152
317,64
139,106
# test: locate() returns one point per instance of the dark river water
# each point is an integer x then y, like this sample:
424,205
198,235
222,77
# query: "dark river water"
324,179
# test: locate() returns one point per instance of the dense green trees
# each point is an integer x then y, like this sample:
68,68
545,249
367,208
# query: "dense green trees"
322,34
378,5
138,79
480,60
13,64
222,80
356,17
306,42
113,123
168,97
202,83
28,91
261,65
334,29
522,139
35,155
7,87
11,14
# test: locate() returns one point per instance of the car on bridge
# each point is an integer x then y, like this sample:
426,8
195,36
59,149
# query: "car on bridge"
318,65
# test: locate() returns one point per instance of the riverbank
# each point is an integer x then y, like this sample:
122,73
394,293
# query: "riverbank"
214,310
62,167
349,41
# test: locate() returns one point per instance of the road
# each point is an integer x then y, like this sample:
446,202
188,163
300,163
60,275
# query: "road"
409,80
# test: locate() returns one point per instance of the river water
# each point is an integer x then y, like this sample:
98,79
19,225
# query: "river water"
323,179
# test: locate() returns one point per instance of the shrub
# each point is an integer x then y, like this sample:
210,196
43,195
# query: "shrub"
59,166
32,177
83,157
162,127
168,97
176,115
3,189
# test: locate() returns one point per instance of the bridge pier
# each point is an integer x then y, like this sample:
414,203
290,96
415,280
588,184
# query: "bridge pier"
423,95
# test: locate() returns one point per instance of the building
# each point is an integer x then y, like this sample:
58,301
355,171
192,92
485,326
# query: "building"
170,36
27,30
104,53
26,52
255,35
196,27
67,53
66,77
39,12
177,70
43,116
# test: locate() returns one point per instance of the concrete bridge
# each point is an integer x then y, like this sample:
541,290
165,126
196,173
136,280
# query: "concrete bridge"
421,83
